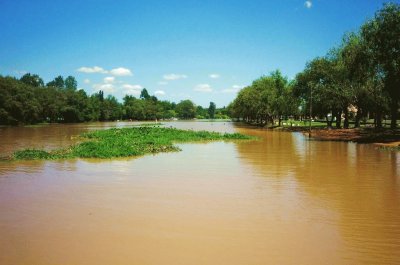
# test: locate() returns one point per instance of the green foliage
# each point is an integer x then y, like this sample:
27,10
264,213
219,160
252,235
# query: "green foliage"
32,154
362,76
268,98
211,110
186,109
18,103
201,113
58,82
381,36
32,80
144,94
147,109
26,101
359,79
320,79
71,83
110,109
128,142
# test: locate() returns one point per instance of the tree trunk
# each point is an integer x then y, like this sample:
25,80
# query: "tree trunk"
338,119
393,110
378,119
271,119
358,118
346,118
327,120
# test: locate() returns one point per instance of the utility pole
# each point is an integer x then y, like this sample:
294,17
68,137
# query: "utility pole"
309,131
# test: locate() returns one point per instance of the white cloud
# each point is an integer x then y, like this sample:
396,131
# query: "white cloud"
108,88
131,92
233,89
162,83
174,76
135,87
21,72
214,76
206,88
91,70
308,4
131,89
86,81
121,71
109,79
159,93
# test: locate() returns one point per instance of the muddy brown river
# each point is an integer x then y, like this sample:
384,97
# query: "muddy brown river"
284,199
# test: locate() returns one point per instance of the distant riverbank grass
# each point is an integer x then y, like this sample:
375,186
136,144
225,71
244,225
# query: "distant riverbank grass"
127,142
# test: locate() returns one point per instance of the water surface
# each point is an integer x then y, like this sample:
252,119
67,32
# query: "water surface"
281,200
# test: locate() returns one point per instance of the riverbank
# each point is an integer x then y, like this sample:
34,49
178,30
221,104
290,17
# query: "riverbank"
385,138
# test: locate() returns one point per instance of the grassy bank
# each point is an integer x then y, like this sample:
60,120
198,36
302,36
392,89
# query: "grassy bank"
126,142
387,139
384,138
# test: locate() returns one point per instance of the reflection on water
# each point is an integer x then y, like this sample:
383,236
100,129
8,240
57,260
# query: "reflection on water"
359,183
281,200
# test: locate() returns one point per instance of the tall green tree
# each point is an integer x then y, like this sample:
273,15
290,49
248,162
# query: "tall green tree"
18,104
93,112
71,83
32,80
144,94
280,100
111,109
57,82
382,37
363,77
52,100
211,110
319,81
186,109
75,106
268,98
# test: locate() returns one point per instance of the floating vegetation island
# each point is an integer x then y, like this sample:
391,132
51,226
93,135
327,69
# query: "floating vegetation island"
127,142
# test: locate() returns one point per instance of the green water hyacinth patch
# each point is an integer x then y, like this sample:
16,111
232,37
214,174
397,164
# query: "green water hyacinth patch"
127,142
30,154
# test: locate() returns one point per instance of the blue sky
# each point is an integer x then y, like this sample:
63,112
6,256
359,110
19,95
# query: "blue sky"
199,50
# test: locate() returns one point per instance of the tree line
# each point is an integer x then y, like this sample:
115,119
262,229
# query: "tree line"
357,80
29,100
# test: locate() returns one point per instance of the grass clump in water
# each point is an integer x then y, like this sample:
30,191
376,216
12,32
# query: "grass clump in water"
32,154
127,142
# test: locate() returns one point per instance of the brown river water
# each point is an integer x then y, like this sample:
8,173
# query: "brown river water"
283,199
